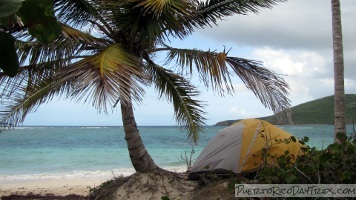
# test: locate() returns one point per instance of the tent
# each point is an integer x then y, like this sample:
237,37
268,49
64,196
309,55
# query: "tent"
237,148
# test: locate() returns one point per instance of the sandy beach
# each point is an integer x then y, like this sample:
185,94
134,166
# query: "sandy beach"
60,187
139,186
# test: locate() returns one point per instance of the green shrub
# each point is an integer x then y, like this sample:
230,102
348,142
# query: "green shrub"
334,165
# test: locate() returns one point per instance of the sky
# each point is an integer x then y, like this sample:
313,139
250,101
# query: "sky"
293,39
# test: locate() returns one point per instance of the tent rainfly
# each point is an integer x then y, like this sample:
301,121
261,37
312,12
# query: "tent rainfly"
237,148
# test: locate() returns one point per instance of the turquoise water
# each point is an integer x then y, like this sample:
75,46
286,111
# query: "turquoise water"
79,152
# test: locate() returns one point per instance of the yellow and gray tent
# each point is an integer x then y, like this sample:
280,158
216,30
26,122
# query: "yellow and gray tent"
237,148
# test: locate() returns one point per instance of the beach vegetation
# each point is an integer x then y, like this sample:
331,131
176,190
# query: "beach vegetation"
107,53
188,159
333,165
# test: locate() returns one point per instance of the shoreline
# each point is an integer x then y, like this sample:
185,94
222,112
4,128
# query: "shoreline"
60,187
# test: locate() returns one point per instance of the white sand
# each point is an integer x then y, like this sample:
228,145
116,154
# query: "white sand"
152,186
140,186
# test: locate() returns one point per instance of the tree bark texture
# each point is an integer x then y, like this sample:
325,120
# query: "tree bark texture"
140,158
339,91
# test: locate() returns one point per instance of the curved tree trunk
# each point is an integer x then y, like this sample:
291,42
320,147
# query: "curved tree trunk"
140,159
339,103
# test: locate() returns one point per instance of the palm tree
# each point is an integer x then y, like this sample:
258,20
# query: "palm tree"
106,53
339,91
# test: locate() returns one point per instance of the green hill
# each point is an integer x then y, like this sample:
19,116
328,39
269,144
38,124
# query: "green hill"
320,111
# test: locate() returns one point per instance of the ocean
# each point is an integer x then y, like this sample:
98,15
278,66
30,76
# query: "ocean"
28,153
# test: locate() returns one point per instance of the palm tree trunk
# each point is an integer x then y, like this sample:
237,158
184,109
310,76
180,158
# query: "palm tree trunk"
339,91
140,159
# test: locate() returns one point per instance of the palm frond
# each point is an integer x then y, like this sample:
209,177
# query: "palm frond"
105,78
188,111
75,12
26,77
102,79
151,21
71,43
80,36
212,10
41,61
15,107
212,68
84,14
271,89
155,7
210,65
9,85
44,60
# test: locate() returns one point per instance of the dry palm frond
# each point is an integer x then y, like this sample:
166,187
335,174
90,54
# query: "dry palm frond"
79,36
210,65
271,89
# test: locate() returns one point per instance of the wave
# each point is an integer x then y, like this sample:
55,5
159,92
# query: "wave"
30,127
98,174
296,127
102,174
93,127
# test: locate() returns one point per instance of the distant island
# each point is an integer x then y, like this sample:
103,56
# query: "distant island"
320,111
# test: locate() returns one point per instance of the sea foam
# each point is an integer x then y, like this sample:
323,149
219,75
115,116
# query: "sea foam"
97,174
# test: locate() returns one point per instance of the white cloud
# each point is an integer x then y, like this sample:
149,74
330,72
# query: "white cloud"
242,113
298,89
293,63
294,38
308,73
278,61
350,86
295,24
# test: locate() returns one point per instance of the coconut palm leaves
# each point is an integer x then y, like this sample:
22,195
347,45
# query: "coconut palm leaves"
106,77
78,13
23,100
103,78
213,67
188,112
209,12
210,66
266,85
105,53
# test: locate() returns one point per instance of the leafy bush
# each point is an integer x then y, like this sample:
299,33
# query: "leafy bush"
334,165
